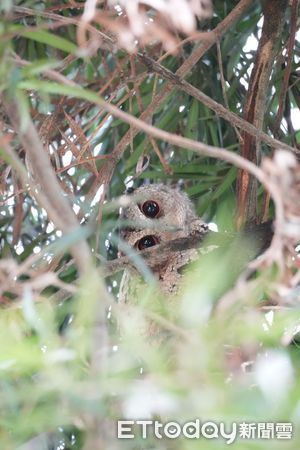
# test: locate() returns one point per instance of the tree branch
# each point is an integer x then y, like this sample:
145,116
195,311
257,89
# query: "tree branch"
155,255
56,205
255,105
219,109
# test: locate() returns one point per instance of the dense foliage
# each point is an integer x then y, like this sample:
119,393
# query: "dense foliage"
66,376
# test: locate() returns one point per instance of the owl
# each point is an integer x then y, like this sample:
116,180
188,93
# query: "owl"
157,214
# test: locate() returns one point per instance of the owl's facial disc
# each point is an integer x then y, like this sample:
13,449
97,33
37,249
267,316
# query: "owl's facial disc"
155,214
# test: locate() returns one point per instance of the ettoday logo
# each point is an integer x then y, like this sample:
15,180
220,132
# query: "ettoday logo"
195,429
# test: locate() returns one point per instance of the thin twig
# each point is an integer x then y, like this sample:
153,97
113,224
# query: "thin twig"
156,255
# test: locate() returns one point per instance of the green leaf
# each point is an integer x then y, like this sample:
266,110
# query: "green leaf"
61,89
192,121
227,182
37,67
50,39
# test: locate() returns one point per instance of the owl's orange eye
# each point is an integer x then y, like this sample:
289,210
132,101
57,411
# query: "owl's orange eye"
150,208
146,242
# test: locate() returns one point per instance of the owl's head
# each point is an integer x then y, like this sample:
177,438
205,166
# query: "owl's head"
156,214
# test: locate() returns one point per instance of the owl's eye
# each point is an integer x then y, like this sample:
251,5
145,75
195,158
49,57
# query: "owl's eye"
150,208
146,242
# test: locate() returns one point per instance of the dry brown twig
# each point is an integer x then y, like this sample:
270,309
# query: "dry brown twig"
36,280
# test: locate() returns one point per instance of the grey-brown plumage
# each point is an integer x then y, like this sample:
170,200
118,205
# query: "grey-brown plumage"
158,214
